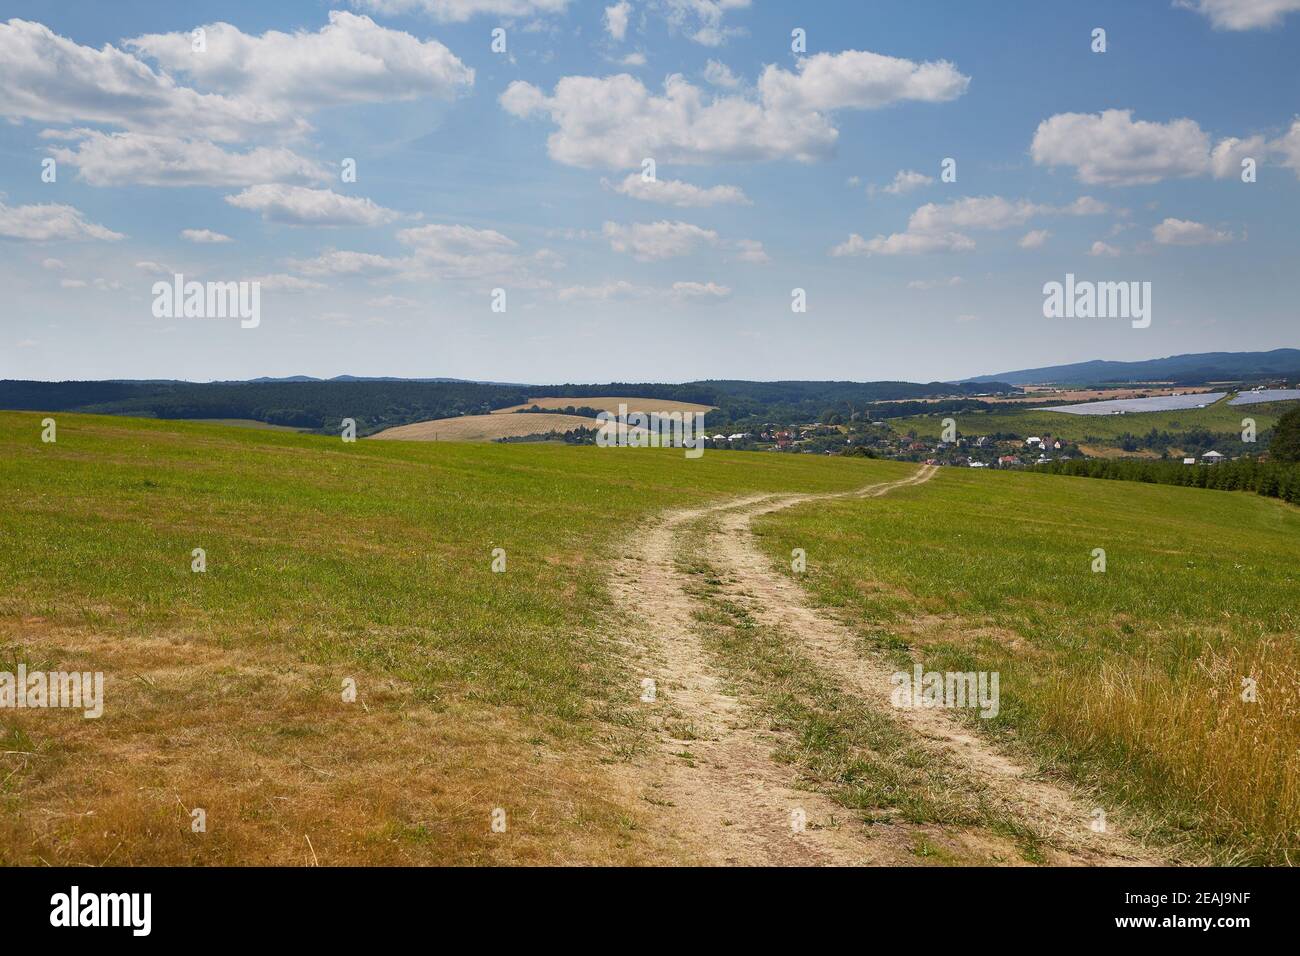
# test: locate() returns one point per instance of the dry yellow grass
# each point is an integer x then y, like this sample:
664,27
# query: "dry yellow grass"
607,404
485,427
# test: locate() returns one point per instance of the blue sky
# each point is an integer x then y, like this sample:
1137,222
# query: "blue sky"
775,170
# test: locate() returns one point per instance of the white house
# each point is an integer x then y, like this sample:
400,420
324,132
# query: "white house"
1033,442
1211,457
1189,461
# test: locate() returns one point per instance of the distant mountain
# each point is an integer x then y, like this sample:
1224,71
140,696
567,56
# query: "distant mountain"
1194,369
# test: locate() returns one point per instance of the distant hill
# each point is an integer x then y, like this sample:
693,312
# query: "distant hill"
1193,369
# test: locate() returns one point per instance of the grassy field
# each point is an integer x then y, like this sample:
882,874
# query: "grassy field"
604,403
484,427
1220,418
1131,679
327,561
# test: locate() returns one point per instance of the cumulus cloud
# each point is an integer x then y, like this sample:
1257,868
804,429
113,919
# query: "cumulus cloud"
1103,249
203,235
52,264
50,78
701,20
615,121
458,11
674,192
1184,232
1226,157
648,241
719,74
50,222
350,60
751,250
940,227
1111,148
300,206
1034,239
616,19
147,159
1242,14
906,180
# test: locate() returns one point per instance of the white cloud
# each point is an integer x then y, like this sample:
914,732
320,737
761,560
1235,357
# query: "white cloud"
903,244
1287,148
342,262
633,59
925,285
1034,239
700,290
616,19
280,282
392,302
72,283
719,74
617,290
300,206
674,192
50,78
658,240
1226,157
615,121
52,264
857,79
437,252
906,180
701,20
350,60
203,235
50,222
1110,148
146,159
1242,14
751,250
938,227
1100,248
605,292
1184,232
458,11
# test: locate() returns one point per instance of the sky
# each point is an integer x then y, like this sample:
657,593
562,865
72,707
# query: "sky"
503,223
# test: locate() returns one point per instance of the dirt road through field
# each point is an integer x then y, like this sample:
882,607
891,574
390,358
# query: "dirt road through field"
712,773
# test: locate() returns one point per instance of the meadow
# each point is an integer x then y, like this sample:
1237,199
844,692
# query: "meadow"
1168,681
328,561
1219,418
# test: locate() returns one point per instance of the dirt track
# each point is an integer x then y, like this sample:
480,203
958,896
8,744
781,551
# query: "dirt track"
712,772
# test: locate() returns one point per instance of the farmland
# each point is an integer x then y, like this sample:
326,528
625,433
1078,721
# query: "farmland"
1220,418
1130,680
484,427
610,404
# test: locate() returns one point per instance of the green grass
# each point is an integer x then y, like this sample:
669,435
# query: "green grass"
1219,418
860,755
1129,679
374,552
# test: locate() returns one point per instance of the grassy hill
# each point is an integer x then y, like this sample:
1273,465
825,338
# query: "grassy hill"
326,561
1129,681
